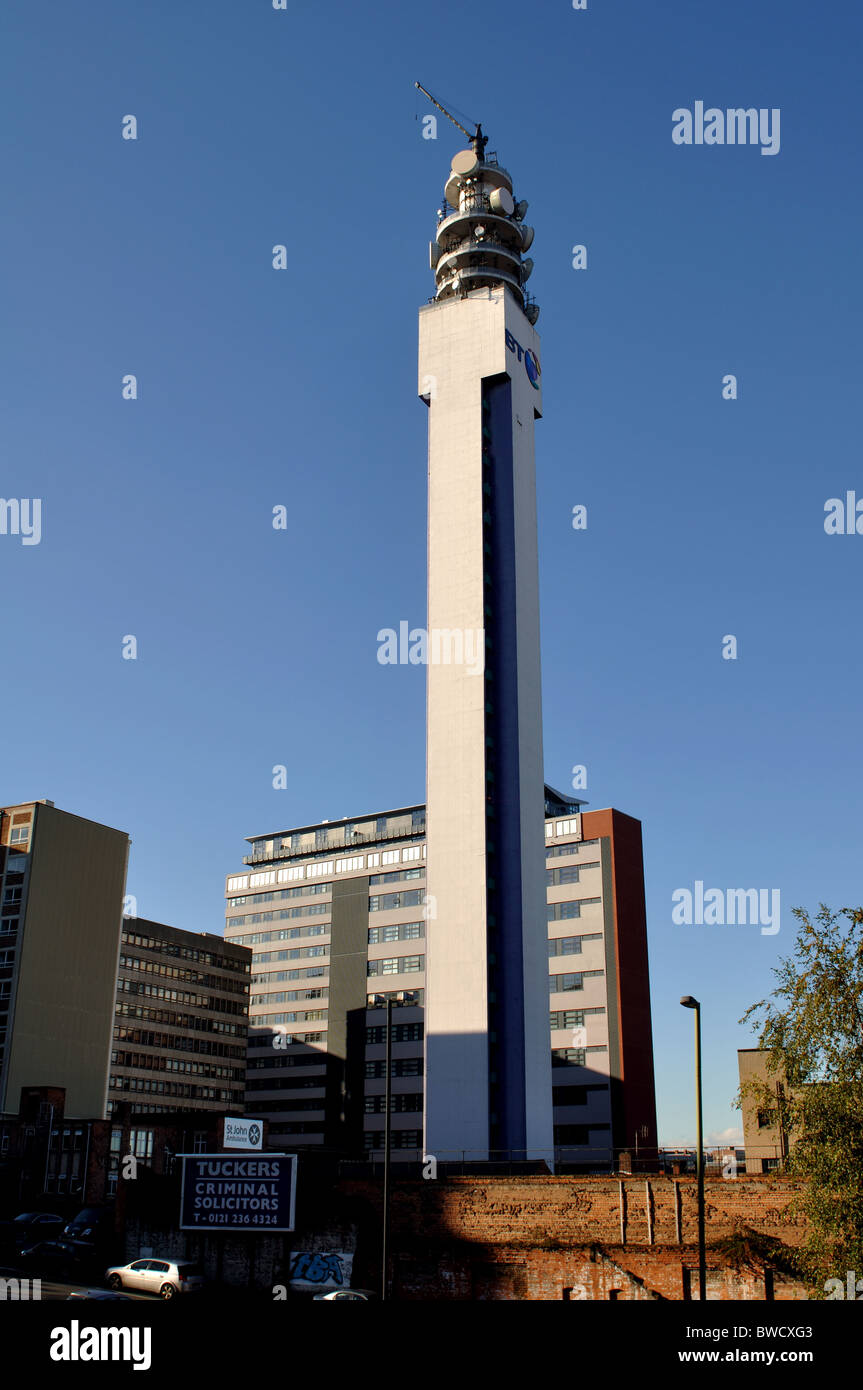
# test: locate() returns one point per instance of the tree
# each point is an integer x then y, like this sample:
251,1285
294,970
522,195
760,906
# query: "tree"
811,1027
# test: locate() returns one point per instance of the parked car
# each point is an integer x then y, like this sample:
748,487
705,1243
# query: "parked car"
163,1277
364,1295
91,1225
48,1257
31,1226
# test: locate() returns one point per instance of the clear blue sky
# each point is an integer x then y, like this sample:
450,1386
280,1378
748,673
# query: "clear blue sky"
257,647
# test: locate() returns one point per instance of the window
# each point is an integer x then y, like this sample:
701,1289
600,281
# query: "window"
412,852
390,856
558,984
565,946
567,1056
19,835
396,965
402,1032
346,866
142,1143
400,931
567,1018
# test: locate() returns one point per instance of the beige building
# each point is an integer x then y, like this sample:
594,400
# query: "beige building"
765,1141
62,880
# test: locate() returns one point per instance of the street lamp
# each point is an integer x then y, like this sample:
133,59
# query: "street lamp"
402,999
689,1003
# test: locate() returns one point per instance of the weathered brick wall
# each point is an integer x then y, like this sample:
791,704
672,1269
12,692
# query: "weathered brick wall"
582,1210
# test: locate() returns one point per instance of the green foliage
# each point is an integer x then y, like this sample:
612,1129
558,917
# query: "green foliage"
811,1027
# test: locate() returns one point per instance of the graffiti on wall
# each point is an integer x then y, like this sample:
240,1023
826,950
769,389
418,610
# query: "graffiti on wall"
320,1269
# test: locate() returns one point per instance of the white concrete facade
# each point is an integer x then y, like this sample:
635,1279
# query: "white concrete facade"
464,342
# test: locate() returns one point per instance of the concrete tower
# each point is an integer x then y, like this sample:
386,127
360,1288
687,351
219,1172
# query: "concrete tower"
488,1082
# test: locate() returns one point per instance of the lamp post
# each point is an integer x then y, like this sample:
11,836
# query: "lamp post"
404,998
689,1002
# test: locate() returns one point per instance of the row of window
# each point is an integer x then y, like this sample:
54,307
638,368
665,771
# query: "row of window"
385,902
264,1019
399,1139
560,912
256,938
569,980
374,1000
201,1025
182,996
311,972
555,851
171,948
281,914
573,1056
317,869
397,965
400,1104
175,1042
401,1032
568,873
286,1083
571,945
375,880
401,1066
399,931
562,827
170,1088
264,957
147,1061
178,972
290,996
570,1018
306,890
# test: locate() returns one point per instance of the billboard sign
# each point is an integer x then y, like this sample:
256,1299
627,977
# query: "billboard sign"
224,1192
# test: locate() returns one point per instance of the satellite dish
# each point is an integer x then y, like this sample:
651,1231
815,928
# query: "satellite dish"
531,313
501,201
464,162
434,254
521,209
526,269
479,233
527,235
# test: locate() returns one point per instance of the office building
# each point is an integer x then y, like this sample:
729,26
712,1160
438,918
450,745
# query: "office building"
336,916
62,880
180,1023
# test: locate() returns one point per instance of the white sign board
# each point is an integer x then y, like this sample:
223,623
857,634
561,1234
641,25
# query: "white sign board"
242,1134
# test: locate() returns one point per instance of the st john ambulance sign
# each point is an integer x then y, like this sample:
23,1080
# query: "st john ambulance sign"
224,1192
242,1134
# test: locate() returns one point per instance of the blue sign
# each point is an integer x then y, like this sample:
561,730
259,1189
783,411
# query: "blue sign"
531,361
238,1192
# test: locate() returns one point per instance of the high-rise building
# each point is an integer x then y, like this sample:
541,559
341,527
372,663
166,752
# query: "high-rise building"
62,880
487,1086
181,1019
337,916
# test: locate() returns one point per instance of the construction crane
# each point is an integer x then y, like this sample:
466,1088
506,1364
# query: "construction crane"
478,140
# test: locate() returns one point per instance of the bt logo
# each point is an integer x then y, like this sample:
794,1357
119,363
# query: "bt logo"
531,361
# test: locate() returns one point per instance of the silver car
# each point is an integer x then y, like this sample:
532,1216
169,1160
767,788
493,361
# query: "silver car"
163,1277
